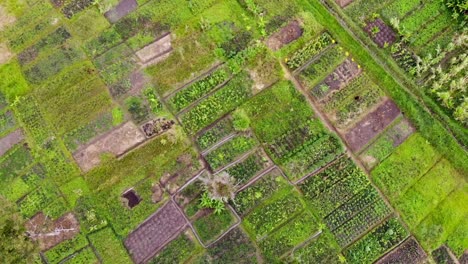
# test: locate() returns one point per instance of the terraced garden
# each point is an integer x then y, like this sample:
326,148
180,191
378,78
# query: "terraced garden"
250,131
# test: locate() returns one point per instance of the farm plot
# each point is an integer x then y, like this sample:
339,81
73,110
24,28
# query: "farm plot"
40,224
439,226
152,234
410,161
128,135
260,190
8,141
108,247
297,230
331,188
234,247
272,214
180,249
198,88
210,225
230,151
371,125
249,167
387,142
156,51
237,91
339,78
215,133
424,196
382,34
377,242
320,250
285,35
408,252
318,69
122,9
311,49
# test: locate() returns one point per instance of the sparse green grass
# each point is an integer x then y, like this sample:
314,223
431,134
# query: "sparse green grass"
109,247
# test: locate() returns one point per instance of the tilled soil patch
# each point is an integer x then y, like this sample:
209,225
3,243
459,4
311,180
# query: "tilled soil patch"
117,142
285,35
408,252
371,125
10,140
5,53
380,33
51,233
5,18
155,49
121,10
144,242
338,79
343,3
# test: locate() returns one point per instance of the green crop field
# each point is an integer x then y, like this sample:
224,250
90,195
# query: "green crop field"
233,131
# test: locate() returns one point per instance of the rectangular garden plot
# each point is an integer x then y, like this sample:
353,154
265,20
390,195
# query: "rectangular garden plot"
316,70
196,89
310,50
230,151
152,234
371,125
249,167
382,34
408,252
128,135
122,9
234,247
376,243
285,35
264,219
386,143
211,226
215,133
260,190
8,141
234,93
339,78
179,250
323,249
278,243
149,54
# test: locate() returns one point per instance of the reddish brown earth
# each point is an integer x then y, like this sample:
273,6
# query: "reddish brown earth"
121,10
156,127
144,242
10,140
385,34
444,255
50,233
408,252
339,78
371,125
343,3
285,35
132,198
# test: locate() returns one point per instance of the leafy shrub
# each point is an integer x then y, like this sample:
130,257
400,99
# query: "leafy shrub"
311,49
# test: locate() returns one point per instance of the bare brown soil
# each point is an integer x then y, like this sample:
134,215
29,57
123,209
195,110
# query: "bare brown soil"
10,140
138,80
397,134
5,53
371,125
339,78
343,3
444,255
384,33
285,35
5,18
50,233
116,142
144,242
408,252
121,10
155,49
